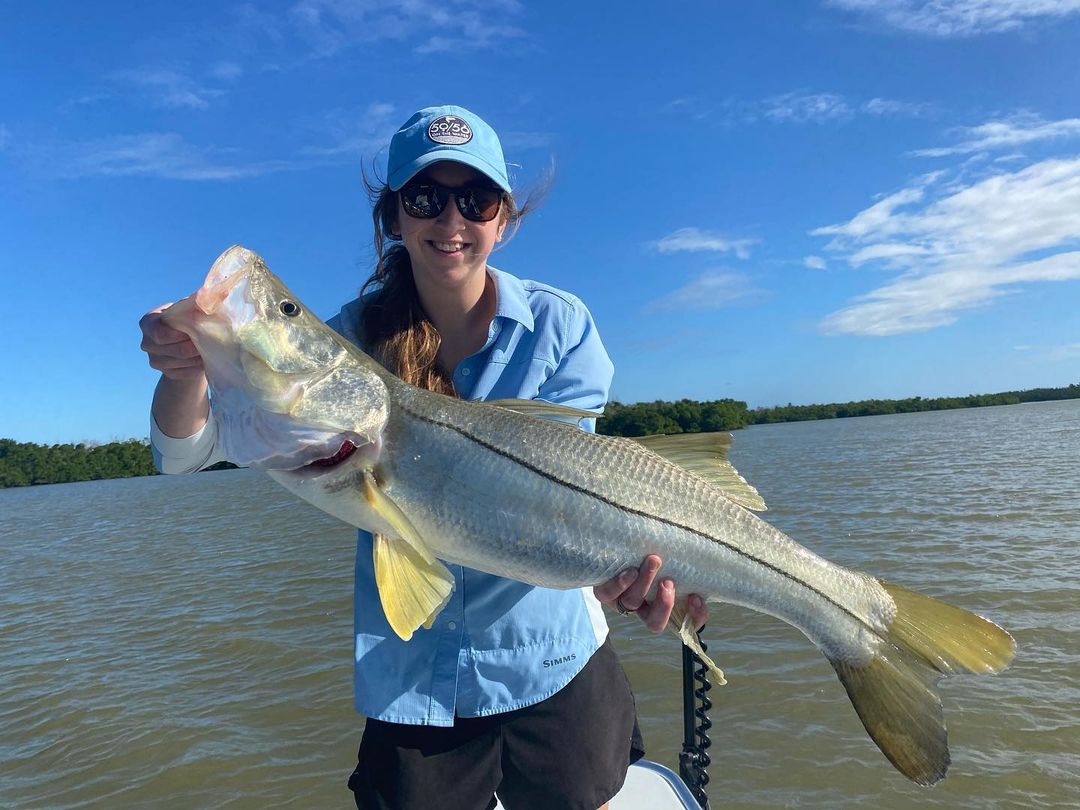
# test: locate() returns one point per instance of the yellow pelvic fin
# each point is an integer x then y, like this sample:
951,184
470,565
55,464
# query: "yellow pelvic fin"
413,585
681,624
706,454
894,693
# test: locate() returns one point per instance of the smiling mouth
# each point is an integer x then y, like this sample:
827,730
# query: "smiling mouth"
448,248
347,449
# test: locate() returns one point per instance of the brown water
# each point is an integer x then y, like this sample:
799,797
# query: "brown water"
185,642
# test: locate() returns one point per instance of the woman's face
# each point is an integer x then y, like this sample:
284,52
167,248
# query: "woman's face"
448,251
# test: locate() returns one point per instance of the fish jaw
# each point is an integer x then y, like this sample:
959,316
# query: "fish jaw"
230,268
334,485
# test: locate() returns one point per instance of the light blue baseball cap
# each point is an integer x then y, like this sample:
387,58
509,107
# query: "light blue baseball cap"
445,133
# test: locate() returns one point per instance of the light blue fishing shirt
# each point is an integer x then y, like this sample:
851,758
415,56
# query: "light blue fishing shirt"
498,644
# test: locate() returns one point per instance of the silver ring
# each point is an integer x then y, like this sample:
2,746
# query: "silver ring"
619,606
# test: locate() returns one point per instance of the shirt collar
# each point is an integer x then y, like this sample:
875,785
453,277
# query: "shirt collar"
510,300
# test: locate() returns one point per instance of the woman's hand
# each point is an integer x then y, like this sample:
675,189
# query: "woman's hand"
169,351
626,593
180,405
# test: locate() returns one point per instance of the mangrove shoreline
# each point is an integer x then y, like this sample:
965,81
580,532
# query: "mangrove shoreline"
29,464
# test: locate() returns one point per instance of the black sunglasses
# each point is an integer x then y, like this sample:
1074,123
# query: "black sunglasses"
426,199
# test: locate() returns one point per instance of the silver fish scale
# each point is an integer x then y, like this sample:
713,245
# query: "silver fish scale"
547,503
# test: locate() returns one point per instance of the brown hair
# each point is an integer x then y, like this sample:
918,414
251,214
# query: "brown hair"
396,330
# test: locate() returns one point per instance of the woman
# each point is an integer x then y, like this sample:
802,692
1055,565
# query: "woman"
515,689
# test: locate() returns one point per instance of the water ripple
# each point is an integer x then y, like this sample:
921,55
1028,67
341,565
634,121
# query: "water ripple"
187,641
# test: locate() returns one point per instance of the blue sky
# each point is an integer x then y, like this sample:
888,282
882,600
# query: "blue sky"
773,201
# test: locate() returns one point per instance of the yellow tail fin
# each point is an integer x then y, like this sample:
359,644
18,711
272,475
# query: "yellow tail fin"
894,693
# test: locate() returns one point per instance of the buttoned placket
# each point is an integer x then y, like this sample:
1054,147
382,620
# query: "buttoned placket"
464,370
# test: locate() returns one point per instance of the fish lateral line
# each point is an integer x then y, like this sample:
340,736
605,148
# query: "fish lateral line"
642,514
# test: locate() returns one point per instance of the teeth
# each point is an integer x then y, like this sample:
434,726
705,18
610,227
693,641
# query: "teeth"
449,247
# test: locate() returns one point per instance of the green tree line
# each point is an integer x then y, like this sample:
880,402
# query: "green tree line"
25,463
689,416
875,407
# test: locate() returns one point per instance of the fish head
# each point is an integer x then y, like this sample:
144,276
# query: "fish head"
288,391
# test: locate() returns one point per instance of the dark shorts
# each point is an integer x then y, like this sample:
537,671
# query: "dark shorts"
570,751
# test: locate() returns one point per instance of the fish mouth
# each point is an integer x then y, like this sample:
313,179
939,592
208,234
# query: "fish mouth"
347,449
315,461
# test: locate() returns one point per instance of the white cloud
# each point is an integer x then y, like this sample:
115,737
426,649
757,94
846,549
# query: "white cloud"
964,247
435,27
156,154
814,262
1067,351
695,240
950,18
799,107
1018,130
806,107
356,132
715,289
691,106
226,71
892,253
879,219
891,108
164,87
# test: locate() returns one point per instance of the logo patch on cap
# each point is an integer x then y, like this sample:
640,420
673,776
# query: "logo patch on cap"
449,129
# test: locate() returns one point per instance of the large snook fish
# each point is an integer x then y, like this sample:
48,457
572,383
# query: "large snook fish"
492,487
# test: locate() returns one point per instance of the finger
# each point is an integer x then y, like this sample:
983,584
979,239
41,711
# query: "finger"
634,596
183,349
161,333
178,369
157,330
163,362
657,613
699,611
608,592
189,373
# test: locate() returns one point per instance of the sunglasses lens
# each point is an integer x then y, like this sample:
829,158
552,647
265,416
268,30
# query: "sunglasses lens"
422,200
479,204
426,201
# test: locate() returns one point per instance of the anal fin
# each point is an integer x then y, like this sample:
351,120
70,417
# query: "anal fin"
681,624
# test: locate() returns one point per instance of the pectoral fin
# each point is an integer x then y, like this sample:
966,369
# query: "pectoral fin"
413,585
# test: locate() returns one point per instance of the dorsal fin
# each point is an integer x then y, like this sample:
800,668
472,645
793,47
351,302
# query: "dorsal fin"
543,410
706,455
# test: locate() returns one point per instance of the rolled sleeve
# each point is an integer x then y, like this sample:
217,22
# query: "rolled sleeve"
188,454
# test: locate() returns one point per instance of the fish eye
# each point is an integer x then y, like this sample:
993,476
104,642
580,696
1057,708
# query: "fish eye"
287,307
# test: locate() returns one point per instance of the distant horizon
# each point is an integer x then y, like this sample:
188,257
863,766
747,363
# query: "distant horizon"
775,202
750,407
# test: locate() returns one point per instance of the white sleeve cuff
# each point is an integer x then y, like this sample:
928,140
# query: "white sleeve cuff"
186,455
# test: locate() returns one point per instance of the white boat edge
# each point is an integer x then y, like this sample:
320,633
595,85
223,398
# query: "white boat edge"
651,786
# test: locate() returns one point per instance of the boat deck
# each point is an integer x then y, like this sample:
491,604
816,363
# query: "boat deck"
650,786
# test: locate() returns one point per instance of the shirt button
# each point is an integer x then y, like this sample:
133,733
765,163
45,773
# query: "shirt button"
452,625
495,329
465,372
